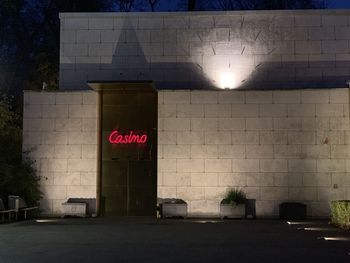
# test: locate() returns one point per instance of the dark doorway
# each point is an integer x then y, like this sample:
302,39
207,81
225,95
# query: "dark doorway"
128,182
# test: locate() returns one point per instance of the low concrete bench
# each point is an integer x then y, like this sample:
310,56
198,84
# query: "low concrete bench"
4,211
79,207
173,208
292,211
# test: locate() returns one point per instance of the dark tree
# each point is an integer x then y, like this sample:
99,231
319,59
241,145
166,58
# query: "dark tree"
17,173
194,5
152,4
29,40
191,5
125,5
265,4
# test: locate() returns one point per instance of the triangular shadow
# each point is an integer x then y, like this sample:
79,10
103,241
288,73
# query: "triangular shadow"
130,63
136,60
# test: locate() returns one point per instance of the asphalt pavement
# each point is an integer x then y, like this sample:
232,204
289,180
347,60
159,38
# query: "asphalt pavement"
170,240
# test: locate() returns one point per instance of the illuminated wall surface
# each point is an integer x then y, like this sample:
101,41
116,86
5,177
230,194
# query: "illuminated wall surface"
276,145
60,131
256,49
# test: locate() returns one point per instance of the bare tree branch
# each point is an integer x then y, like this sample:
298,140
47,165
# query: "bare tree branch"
152,4
125,5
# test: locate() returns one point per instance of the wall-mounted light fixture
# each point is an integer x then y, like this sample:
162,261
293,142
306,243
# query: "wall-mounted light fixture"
227,80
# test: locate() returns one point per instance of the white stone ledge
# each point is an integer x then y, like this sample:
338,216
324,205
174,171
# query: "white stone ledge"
221,13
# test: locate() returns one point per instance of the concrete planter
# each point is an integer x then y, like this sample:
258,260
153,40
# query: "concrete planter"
74,209
229,211
174,209
292,211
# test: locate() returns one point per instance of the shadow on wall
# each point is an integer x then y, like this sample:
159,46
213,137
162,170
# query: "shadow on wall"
252,55
297,75
130,63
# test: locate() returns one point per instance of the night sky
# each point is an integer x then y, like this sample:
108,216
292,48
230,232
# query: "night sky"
339,3
171,5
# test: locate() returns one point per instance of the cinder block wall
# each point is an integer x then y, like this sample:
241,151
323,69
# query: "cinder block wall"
261,49
275,145
59,131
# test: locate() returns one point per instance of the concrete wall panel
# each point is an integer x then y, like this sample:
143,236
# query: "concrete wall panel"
249,47
62,141
277,146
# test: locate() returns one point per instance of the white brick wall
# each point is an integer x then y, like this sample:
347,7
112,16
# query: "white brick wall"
175,49
59,129
277,146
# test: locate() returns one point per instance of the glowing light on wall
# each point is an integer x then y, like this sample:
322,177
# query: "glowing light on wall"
227,80
116,138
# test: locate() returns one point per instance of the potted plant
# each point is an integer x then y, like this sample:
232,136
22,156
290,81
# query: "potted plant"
233,204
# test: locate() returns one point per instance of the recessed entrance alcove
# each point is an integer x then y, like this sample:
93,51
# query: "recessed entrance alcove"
127,172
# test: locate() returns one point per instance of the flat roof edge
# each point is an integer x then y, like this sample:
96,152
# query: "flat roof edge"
200,13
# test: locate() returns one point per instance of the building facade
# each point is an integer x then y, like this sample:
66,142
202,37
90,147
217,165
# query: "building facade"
250,100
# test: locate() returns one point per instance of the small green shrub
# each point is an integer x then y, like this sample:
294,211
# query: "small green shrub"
234,197
340,213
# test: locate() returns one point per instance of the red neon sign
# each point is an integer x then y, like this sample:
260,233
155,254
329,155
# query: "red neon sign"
116,138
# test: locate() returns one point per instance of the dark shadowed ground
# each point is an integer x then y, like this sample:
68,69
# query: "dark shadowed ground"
151,240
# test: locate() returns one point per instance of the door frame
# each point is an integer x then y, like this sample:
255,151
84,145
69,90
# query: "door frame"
105,87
